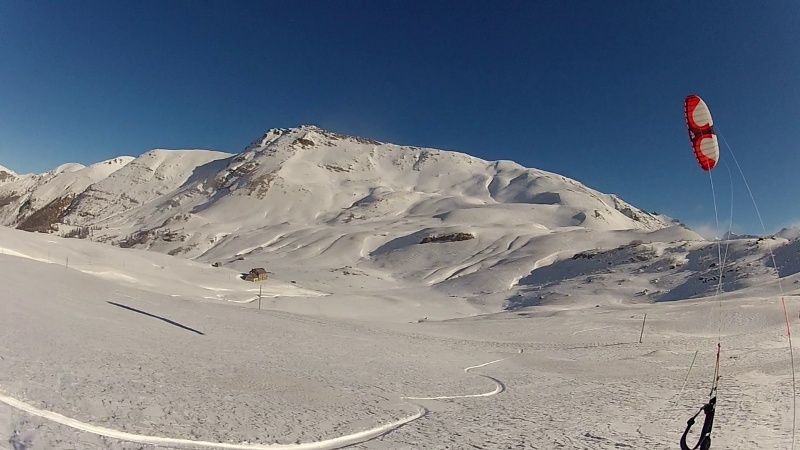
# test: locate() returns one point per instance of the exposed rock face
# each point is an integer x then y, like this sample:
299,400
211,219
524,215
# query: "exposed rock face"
453,237
45,220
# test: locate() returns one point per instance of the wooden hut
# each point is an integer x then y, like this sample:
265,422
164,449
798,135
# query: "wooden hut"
257,274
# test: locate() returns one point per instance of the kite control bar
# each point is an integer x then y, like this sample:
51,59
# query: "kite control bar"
705,435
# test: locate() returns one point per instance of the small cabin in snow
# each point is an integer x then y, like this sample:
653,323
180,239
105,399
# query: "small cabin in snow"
257,274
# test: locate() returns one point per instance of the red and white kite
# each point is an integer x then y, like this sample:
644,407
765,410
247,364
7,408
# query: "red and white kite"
701,132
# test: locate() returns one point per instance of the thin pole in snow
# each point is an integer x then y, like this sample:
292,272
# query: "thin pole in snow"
259,297
642,333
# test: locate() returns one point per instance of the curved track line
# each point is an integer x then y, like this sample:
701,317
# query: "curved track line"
499,386
327,444
334,443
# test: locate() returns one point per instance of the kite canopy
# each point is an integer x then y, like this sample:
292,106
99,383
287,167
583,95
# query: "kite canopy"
701,132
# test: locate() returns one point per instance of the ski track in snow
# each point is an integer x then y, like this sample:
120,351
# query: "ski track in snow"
590,329
499,386
334,443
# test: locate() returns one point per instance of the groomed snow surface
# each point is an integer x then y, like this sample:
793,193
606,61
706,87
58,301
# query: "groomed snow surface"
112,351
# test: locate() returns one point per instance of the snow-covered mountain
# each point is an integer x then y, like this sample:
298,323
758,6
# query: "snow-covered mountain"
308,175
152,177
33,202
306,201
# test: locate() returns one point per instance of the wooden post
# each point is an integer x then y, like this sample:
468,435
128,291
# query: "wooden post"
259,297
642,333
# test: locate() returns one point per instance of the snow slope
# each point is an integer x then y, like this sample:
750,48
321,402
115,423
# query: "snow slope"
25,195
194,360
146,271
666,271
148,178
94,361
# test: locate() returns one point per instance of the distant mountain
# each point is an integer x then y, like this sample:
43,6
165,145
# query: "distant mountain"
28,201
303,176
307,199
789,233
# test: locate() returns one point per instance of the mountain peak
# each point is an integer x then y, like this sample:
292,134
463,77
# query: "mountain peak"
119,161
6,174
305,136
66,168
309,127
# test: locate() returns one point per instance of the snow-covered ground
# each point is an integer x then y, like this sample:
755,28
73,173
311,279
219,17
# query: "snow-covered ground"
158,358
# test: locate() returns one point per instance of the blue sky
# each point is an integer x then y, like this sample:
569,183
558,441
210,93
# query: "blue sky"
589,89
